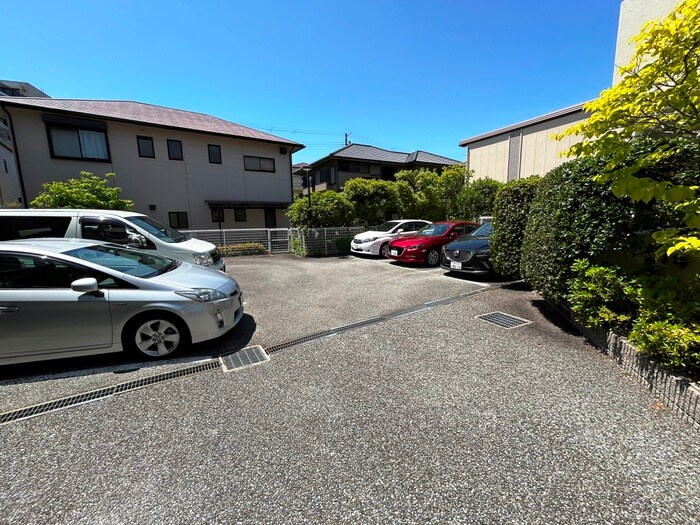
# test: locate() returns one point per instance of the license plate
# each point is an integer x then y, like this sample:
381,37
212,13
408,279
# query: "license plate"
394,252
455,265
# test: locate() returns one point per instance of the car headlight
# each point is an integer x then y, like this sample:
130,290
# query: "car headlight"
416,247
203,259
482,253
372,239
202,295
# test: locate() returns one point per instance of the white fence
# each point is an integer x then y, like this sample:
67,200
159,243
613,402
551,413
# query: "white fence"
314,241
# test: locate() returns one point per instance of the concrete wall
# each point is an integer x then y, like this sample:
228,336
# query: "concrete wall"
633,15
170,185
523,152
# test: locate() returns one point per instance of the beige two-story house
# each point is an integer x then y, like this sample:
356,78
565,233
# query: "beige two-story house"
189,170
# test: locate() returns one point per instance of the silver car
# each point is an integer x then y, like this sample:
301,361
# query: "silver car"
69,297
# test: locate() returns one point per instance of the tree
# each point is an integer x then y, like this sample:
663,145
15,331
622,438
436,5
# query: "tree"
328,209
373,200
477,198
658,99
87,191
452,180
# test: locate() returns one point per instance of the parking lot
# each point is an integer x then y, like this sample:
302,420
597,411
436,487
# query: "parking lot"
428,414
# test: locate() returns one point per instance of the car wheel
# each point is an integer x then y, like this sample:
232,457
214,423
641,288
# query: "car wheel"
155,335
432,258
384,250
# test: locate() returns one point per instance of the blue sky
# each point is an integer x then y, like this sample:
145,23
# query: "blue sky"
402,75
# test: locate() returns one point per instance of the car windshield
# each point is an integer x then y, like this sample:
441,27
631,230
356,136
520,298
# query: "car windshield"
158,229
385,227
433,230
483,231
124,260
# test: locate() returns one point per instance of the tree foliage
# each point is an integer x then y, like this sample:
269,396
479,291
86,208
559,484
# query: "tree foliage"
88,191
658,98
373,200
477,198
328,209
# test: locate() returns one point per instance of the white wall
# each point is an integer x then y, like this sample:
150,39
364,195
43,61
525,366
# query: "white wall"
633,15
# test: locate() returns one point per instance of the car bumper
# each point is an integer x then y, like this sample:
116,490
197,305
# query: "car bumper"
210,320
473,266
408,256
365,249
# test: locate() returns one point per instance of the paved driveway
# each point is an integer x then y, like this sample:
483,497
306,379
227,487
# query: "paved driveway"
432,417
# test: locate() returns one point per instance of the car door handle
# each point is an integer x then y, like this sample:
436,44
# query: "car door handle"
8,308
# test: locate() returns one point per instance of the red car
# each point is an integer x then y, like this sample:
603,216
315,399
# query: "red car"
424,247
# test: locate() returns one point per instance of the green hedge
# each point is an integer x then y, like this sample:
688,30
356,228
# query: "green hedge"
572,217
510,215
248,248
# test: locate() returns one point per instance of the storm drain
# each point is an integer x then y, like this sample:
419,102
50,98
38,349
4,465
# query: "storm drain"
252,355
503,320
102,393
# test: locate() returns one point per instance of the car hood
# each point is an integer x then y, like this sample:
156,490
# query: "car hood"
188,276
413,240
470,244
372,233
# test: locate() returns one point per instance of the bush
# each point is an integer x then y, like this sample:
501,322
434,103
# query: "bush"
477,198
329,209
659,315
510,214
602,297
87,191
572,217
247,248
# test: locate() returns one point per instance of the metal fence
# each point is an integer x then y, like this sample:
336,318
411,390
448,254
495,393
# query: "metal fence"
313,241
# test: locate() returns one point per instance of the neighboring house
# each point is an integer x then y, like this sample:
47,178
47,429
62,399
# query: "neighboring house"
298,175
369,162
189,170
10,88
528,148
523,149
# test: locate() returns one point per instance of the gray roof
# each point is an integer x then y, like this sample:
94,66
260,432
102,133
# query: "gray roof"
372,153
140,113
523,124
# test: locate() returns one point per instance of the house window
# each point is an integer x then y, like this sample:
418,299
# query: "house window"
259,164
77,143
174,149
146,147
327,175
214,154
353,167
178,219
239,214
217,215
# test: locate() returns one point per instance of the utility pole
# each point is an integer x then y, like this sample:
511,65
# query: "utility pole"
346,138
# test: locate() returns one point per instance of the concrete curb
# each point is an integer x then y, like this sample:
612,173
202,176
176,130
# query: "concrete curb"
678,393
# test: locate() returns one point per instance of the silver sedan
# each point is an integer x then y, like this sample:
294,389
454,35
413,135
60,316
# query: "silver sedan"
67,297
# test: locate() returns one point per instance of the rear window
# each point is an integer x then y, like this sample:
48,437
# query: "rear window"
27,227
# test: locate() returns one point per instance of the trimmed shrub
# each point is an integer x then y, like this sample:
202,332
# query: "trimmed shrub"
573,217
247,248
510,214
329,209
476,199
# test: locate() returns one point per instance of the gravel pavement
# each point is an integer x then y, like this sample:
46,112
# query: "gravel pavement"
434,417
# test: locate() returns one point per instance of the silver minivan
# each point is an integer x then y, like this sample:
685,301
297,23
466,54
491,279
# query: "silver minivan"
122,227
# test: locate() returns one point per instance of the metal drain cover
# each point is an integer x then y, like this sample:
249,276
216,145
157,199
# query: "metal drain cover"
503,320
249,356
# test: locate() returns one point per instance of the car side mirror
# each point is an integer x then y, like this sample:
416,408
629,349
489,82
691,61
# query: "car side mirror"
137,241
400,230
86,285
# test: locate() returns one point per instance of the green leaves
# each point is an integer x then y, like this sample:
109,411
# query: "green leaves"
86,192
658,98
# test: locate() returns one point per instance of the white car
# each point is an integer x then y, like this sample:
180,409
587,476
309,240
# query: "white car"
376,241
71,297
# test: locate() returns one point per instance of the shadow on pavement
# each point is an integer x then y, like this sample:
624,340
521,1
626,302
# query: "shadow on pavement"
122,362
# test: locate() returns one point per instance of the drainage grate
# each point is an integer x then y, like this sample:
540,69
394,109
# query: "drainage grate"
102,393
252,355
503,320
